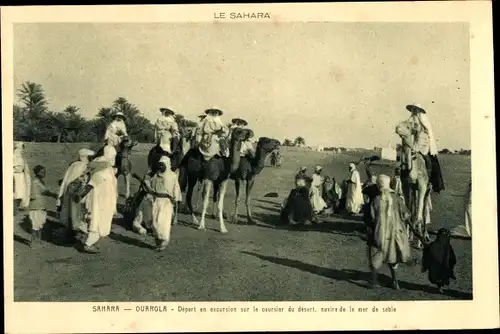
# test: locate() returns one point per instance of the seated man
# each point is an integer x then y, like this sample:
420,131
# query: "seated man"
247,150
213,132
297,207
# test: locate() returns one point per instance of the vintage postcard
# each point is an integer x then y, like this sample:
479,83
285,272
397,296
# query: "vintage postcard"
247,167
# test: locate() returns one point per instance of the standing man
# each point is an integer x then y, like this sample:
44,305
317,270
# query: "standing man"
354,199
101,198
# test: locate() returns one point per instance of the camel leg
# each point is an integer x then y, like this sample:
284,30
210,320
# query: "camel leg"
222,194
249,187
207,186
215,200
237,185
420,209
189,200
128,178
176,213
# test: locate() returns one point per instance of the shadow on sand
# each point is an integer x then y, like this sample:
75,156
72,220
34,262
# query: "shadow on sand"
352,276
335,225
52,232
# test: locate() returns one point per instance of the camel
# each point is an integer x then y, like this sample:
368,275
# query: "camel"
248,170
415,179
216,172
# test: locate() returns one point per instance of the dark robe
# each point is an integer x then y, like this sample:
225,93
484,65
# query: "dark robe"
298,206
371,191
439,260
435,176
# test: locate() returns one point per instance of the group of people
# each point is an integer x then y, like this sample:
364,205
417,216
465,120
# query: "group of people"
88,196
88,192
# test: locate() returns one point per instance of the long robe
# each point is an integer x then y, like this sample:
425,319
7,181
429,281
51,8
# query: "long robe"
73,212
390,239
354,198
22,178
166,183
69,208
316,191
439,260
101,201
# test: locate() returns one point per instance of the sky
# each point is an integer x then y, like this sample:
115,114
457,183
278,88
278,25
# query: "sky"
335,84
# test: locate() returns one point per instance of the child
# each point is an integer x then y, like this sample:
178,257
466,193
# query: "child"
37,206
439,260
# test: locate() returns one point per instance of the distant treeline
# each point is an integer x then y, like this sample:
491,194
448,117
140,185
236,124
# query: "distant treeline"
34,121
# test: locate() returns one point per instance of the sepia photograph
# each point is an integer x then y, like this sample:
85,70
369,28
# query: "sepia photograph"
229,160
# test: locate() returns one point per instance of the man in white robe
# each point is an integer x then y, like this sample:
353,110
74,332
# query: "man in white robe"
354,197
68,213
316,191
165,184
100,198
22,178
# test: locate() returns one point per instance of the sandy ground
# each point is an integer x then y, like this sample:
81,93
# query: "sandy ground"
250,263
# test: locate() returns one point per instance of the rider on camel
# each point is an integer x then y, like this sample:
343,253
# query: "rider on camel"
116,130
212,131
167,131
196,138
425,144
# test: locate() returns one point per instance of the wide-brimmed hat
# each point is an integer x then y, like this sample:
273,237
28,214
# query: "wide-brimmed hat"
214,111
119,114
318,168
415,108
167,111
239,121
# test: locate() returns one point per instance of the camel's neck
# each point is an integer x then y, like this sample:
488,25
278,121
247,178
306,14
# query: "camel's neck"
259,161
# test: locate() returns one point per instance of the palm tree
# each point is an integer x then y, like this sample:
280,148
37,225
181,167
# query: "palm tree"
299,141
32,97
71,110
129,110
287,142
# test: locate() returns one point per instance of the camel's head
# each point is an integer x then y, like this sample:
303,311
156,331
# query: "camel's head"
268,144
404,130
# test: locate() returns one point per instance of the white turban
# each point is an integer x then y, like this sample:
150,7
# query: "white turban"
352,165
166,161
384,182
85,152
